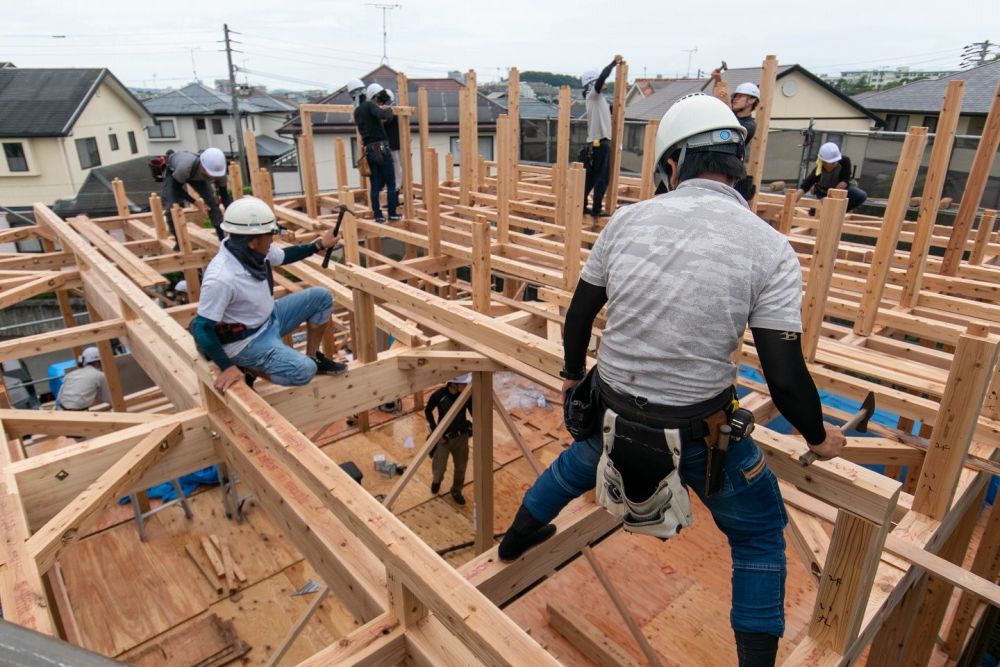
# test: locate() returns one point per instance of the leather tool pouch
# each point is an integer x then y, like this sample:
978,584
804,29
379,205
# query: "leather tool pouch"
715,461
582,407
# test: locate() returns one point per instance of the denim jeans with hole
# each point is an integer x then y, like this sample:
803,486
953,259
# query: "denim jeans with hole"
268,353
748,509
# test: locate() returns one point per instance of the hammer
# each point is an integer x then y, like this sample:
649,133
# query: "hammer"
859,422
722,68
336,230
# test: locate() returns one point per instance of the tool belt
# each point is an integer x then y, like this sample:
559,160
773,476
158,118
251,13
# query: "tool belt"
378,151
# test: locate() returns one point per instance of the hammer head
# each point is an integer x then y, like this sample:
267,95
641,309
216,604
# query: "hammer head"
867,410
724,66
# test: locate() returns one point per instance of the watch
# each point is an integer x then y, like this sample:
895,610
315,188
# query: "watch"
318,244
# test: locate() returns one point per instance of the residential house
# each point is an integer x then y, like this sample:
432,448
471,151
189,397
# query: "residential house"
442,107
197,117
880,78
57,126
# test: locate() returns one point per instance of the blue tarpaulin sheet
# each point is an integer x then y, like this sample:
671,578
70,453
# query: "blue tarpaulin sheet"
189,483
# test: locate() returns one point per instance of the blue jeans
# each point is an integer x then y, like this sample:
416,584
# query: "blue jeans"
748,509
269,354
383,175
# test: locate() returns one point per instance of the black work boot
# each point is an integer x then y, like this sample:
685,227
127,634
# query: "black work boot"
525,532
756,649
328,366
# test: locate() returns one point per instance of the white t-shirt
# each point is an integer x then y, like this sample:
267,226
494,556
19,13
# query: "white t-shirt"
82,387
230,294
685,272
598,116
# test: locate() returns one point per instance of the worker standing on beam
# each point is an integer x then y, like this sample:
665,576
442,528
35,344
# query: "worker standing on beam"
392,131
743,102
239,324
84,386
683,274
833,171
597,152
455,441
370,117
201,171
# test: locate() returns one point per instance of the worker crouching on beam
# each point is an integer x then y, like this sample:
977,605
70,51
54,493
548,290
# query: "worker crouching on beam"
683,274
239,324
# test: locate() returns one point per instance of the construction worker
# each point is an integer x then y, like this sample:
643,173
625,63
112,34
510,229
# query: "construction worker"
84,386
743,102
392,131
371,117
833,171
598,148
356,89
201,171
683,274
239,324
181,293
455,441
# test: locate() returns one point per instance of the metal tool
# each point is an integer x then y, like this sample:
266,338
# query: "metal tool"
717,461
858,422
722,68
336,230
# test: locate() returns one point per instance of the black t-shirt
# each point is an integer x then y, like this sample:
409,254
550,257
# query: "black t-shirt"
826,180
442,399
750,125
370,119
392,130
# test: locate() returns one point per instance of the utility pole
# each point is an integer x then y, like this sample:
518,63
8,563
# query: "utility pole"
385,34
975,54
690,53
236,106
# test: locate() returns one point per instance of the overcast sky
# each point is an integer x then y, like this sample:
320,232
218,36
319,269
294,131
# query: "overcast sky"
310,43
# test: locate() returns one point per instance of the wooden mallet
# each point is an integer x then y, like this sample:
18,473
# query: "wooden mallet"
858,422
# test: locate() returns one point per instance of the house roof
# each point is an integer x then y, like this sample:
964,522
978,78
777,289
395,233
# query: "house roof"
96,196
271,147
47,102
197,99
654,106
442,104
926,95
651,86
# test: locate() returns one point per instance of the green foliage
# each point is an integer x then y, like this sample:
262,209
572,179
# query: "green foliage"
551,78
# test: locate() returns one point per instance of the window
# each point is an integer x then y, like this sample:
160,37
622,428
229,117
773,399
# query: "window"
16,159
976,125
930,122
162,129
895,122
485,146
216,126
86,149
132,145
113,140
199,123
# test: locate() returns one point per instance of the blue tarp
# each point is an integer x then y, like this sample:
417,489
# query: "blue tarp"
189,483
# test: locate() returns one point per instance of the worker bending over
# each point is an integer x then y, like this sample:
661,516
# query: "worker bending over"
832,172
205,172
240,325
85,386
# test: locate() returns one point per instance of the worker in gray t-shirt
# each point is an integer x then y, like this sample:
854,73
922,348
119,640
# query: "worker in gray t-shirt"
597,152
205,172
682,275
85,386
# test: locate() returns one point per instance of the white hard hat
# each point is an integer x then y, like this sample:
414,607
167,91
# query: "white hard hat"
747,88
589,76
697,121
89,356
213,161
461,379
182,286
249,216
355,86
392,95
829,152
373,90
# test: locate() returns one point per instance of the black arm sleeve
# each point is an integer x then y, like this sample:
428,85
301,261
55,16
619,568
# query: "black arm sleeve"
845,169
603,76
432,403
208,342
788,379
809,181
587,302
298,252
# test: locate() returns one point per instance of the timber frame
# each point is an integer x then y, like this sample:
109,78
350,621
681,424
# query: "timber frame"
917,328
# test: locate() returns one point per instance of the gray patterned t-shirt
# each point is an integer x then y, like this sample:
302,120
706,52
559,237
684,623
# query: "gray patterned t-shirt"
685,272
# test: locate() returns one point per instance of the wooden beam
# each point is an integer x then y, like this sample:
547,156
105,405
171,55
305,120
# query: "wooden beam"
482,458
758,149
821,270
984,235
504,172
595,644
646,179
55,341
294,632
482,284
19,423
22,592
405,150
617,135
307,162
514,114
573,218
72,522
425,138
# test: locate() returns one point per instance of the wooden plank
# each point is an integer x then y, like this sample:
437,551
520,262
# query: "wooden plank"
213,581
758,149
821,269
54,341
647,178
514,113
617,135
482,284
406,150
930,200
986,564
809,539
425,138
307,162
182,234
18,423
22,593
573,218
895,212
132,266
589,639
984,234
482,458
381,641
503,178
48,282
974,187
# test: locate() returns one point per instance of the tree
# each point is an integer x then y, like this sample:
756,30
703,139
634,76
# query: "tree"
551,78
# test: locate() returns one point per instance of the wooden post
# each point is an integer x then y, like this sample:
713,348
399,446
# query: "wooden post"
266,186
788,213
307,164
62,296
433,203
974,187
831,220
109,367
121,199
449,168
235,180
987,565
758,148
983,236
617,134
482,457
340,159
473,110
349,232
930,200
406,606
971,371
503,179
159,221
481,287
895,213
405,150
646,188
253,162
573,218
184,243
562,145
425,134
514,114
